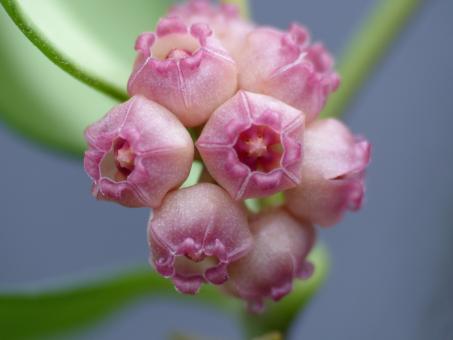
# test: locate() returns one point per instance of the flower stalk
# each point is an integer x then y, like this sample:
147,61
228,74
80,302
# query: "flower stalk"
368,48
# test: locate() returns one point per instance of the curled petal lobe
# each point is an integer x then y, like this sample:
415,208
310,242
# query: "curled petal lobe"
137,153
185,69
252,145
278,257
224,20
285,65
332,174
195,234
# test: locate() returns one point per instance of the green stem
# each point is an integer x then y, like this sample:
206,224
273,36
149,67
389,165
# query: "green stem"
14,10
270,336
368,48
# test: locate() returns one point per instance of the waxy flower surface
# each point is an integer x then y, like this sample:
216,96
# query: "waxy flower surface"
277,258
332,174
195,234
184,68
252,145
251,97
137,153
287,66
225,20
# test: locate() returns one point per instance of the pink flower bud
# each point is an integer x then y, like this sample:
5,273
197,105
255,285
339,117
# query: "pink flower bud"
225,21
195,234
184,69
285,66
137,153
252,145
278,257
332,174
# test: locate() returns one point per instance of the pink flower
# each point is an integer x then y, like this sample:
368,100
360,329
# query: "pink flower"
137,153
332,174
252,145
284,65
195,234
278,257
184,69
224,20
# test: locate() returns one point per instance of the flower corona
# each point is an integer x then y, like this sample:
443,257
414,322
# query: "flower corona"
250,98
252,145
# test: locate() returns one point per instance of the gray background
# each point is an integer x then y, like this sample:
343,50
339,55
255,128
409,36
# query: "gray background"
392,274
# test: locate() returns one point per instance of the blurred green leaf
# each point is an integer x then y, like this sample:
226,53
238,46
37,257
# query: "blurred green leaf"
31,314
37,314
38,99
72,35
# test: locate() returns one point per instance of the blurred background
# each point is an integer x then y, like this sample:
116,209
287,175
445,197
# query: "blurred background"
392,263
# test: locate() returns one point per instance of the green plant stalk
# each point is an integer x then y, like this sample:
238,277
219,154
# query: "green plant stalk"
371,44
270,336
13,8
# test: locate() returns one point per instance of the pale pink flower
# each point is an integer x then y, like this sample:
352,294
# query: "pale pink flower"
332,173
137,153
185,69
224,19
286,66
279,255
252,145
195,234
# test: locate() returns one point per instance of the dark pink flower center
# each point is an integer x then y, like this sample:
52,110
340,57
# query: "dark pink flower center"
124,158
260,148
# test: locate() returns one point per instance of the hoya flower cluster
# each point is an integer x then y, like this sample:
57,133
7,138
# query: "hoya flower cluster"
251,96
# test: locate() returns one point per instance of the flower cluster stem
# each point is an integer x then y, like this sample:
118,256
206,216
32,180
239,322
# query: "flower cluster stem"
367,48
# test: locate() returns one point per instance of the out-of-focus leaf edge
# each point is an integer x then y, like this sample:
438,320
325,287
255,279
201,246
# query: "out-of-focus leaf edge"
13,8
29,314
